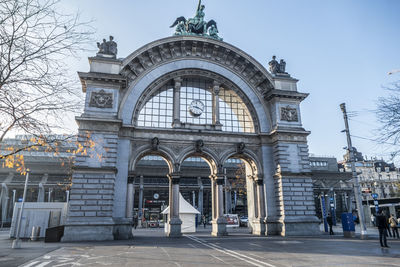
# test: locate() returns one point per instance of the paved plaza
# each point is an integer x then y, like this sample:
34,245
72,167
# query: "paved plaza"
151,248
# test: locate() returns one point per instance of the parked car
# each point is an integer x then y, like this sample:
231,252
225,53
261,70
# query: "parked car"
244,220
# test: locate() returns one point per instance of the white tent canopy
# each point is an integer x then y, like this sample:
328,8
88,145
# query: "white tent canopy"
187,213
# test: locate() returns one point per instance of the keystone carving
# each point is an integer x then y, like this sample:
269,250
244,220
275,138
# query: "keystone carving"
155,142
199,146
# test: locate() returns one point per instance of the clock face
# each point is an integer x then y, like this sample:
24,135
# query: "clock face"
196,108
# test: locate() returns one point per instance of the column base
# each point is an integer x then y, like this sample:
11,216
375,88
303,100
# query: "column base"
219,227
74,233
175,228
88,229
258,227
299,226
122,229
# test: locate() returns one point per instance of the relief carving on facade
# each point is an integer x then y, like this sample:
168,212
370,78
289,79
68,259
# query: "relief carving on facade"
289,114
101,99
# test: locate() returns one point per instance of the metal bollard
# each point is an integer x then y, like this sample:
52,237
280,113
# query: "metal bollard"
35,233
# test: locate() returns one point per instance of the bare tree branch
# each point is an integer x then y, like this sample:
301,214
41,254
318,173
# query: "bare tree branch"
388,114
35,86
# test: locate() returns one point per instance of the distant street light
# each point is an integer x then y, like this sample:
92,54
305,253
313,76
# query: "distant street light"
17,242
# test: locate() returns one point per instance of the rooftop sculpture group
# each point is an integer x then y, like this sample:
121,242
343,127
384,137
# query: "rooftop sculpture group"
196,25
107,48
276,67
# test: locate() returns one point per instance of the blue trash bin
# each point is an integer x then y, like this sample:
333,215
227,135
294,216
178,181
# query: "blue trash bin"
349,229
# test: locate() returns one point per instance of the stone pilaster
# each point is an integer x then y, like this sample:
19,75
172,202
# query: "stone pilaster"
258,225
219,221
177,105
174,220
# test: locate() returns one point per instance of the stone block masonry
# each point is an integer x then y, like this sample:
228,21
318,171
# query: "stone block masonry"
94,194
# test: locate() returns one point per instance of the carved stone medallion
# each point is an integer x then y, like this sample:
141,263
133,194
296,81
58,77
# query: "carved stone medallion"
101,99
289,114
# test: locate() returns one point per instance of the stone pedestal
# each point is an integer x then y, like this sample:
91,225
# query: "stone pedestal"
300,226
219,227
99,230
258,227
175,227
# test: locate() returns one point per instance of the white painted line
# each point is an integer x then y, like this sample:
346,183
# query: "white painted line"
245,256
43,264
232,253
219,259
30,264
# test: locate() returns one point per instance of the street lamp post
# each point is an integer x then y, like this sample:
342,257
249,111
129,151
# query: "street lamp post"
17,242
356,184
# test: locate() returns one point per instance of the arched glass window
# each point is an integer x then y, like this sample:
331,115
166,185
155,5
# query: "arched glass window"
197,107
157,112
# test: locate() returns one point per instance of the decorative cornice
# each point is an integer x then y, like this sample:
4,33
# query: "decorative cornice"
101,77
268,95
193,47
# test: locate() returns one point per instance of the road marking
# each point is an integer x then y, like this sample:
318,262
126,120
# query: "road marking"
232,253
31,264
43,264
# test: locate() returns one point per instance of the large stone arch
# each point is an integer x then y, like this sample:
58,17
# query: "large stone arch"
115,90
147,64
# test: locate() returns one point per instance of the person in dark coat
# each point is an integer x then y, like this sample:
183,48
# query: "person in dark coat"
382,224
388,232
329,220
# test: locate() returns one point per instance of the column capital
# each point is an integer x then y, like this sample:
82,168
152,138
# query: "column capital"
131,179
178,82
174,177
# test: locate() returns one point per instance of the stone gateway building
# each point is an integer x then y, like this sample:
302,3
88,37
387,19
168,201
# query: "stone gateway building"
185,96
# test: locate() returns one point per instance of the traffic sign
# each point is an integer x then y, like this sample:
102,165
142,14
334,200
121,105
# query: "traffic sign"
374,195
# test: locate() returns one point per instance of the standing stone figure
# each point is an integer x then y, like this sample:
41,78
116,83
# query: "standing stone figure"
282,66
102,47
277,67
112,46
273,65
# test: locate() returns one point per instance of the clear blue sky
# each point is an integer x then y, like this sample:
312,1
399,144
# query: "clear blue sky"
340,50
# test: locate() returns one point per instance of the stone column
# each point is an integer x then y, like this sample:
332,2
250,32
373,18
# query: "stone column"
200,197
228,196
130,198
219,221
259,222
40,197
177,105
174,220
215,105
49,196
140,207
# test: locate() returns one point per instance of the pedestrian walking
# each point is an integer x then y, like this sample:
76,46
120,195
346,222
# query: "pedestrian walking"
393,225
135,221
381,223
329,220
203,218
387,224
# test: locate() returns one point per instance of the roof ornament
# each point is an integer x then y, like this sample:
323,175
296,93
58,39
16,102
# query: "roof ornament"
107,48
196,25
276,67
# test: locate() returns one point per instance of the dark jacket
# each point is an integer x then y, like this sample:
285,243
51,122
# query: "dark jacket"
381,222
329,220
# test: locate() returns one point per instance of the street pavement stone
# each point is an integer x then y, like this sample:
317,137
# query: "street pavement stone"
150,248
